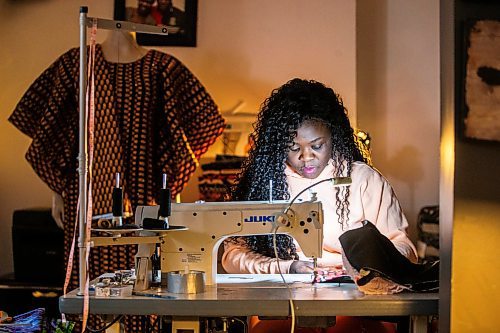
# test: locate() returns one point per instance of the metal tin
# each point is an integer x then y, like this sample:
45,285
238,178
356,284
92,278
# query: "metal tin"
186,282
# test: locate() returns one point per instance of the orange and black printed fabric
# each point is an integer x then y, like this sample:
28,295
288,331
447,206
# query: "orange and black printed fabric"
152,116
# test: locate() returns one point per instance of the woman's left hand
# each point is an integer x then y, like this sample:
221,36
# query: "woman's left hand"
301,267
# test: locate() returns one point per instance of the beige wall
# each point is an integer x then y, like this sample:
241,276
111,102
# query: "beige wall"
245,49
398,95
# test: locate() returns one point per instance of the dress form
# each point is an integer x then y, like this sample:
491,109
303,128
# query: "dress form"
121,47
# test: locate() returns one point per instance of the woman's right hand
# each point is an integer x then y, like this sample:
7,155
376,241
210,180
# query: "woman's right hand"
301,267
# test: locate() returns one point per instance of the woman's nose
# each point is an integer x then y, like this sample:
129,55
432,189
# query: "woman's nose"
307,155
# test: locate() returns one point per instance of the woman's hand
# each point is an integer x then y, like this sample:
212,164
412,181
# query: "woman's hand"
301,267
58,209
330,261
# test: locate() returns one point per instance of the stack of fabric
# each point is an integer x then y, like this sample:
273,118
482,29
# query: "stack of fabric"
218,177
428,233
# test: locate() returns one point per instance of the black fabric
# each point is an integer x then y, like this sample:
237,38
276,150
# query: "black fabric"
428,233
366,248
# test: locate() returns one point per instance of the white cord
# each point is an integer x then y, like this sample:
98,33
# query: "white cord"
292,305
337,181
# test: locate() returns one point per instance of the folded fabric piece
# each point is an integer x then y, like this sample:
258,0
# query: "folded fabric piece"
379,266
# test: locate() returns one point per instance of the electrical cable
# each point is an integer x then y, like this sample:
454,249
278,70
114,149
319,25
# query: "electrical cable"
337,181
290,300
245,330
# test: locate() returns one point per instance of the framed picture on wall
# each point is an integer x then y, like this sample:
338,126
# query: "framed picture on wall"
481,119
179,16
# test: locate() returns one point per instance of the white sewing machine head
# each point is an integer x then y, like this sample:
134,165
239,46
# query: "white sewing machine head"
209,223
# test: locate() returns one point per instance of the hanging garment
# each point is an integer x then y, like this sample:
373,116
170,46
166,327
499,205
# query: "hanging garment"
152,116
378,267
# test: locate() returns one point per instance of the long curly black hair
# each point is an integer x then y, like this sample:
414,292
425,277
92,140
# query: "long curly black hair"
281,115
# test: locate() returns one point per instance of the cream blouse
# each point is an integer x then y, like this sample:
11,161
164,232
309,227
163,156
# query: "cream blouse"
371,198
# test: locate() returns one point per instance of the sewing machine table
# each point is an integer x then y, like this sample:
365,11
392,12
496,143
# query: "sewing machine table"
265,295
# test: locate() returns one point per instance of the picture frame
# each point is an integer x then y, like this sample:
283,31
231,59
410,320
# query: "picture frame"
181,21
480,116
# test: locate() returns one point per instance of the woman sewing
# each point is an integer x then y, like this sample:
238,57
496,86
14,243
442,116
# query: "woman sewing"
302,136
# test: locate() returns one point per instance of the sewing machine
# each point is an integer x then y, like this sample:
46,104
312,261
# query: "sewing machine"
190,243
207,224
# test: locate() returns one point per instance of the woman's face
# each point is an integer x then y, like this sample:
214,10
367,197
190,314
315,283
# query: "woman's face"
311,149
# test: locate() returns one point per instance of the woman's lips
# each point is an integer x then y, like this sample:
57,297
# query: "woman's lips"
308,170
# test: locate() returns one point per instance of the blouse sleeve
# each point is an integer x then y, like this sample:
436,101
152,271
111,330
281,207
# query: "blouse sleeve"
330,259
47,113
239,259
382,208
193,122
200,118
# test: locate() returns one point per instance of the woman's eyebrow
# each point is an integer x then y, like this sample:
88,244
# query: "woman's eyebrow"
317,139
310,142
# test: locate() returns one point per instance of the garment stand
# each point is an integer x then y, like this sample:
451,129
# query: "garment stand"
87,22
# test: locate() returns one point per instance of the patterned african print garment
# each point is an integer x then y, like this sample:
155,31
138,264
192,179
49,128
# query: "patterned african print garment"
152,116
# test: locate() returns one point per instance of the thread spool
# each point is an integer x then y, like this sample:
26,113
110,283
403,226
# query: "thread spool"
117,202
165,203
117,205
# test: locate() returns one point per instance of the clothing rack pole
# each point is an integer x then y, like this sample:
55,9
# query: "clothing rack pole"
85,22
82,156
